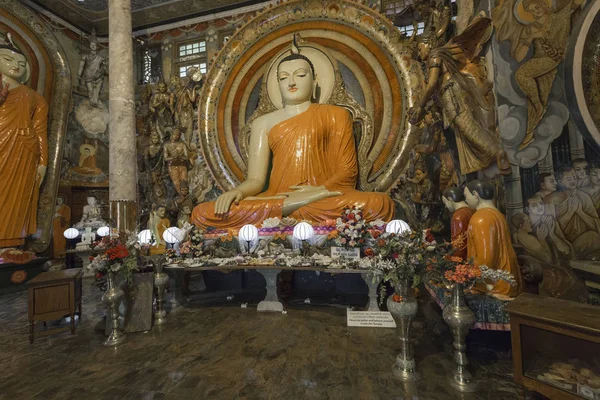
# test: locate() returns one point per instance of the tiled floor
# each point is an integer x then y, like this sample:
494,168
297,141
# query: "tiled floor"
223,351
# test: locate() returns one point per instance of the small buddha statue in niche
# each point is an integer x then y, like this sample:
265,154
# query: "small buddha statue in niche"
314,162
488,238
454,200
87,238
92,215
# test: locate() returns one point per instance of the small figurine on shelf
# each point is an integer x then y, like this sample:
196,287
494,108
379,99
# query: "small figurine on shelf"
92,215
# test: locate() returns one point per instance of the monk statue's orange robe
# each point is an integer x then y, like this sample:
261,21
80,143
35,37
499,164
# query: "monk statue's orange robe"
313,148
458,230
60,223
489,243
23,146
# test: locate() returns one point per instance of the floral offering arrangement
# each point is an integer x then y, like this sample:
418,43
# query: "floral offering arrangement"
350,229
402,258
448,269
193,246
118,254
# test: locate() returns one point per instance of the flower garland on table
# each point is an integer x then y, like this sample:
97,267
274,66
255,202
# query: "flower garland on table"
350,229
118,254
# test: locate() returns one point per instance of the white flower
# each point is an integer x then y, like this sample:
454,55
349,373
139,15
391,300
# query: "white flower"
273,222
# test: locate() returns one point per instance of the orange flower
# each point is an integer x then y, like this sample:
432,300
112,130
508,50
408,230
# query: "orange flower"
227,238
281,236
375,233
381,243
369,252
333,234
455,259
397,298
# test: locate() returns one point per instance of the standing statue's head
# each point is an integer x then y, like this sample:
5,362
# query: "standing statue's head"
479,190
93,42
13,63
451,196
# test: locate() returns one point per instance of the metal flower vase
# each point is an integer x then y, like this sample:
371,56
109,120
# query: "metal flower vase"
160,282
460,319
403,312
111,299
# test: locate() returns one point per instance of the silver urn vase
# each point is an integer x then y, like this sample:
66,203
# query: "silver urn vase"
111,299
403,312
160,282
460,319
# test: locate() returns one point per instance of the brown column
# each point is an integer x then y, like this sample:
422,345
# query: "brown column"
123,158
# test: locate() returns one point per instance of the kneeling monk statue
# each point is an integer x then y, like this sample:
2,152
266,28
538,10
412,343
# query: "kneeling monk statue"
314,162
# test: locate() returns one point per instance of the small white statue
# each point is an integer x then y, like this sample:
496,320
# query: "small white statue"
92,215
87,238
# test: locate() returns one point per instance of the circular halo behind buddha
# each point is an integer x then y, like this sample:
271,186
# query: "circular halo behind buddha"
373,77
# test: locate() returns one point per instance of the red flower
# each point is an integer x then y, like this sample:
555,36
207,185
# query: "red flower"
369,252
117,252
395,256
397,298
375,234
350,216
429,236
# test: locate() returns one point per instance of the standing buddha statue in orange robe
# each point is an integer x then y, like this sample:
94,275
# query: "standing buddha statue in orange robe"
314,162
23,147
488,238
454,200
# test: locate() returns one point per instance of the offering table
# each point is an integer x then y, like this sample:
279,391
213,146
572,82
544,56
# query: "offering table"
269,272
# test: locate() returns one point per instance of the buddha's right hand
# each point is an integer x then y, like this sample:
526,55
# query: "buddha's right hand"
224,201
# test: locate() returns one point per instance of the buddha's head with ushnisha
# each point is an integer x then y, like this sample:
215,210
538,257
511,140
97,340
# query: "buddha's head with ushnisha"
296,77
13,63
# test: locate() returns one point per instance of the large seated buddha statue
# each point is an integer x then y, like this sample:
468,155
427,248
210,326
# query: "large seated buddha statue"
307,151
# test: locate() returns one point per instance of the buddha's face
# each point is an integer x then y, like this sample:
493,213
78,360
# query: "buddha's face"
595,176
12,64
536,207
580,170
569,179
93,46
91,201
549,184
59,201
449,204
86,152
296,81
161,212
536,9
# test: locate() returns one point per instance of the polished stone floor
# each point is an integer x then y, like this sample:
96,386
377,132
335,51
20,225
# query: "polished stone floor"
223,351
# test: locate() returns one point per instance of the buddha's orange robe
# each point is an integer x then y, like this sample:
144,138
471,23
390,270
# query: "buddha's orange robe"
23,146
489,243
458,230
313,148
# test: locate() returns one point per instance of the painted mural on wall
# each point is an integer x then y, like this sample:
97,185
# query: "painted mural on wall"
532,37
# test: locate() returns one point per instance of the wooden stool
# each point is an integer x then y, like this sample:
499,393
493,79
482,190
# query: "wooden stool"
52,295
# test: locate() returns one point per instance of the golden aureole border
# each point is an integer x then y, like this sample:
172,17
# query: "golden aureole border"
57,91
354,34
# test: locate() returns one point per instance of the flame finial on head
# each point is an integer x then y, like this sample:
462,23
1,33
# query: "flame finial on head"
7,42
295,48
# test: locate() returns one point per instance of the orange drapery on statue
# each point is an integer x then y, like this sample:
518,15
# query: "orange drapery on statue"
313,148
23,146
459,225
489,243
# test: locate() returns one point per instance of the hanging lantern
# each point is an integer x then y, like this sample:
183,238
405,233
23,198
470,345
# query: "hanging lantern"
71,233
398,227
103,231
171,235
303,231
248,233
145,237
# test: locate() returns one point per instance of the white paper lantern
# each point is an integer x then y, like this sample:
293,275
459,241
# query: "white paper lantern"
71,233
103,231
303,231
398,227
248,233
145,237
171,235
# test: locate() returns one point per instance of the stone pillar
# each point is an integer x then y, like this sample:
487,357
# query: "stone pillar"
513,197
575,141
121,97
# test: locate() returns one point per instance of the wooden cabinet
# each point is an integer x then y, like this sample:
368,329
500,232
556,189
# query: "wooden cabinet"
556,346
52,296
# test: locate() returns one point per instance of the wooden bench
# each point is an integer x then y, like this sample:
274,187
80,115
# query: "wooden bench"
269,272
